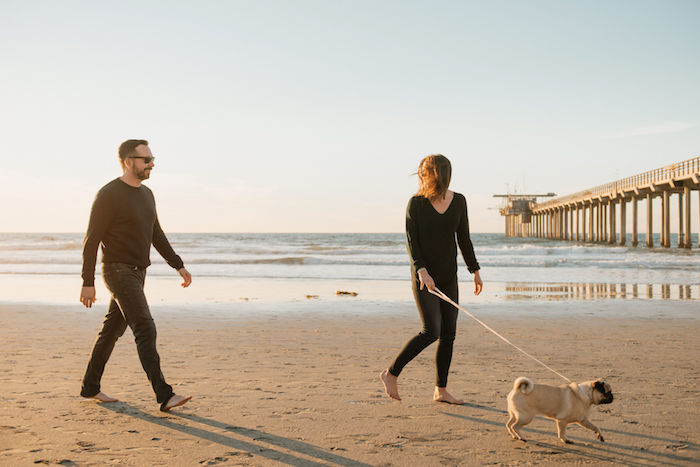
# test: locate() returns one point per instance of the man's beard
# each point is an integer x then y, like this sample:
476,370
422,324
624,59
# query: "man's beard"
142,174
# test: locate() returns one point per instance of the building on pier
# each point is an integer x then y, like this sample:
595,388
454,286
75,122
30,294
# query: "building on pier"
600,214
518,212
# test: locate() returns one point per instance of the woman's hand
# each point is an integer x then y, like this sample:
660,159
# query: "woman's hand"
478,285
87,296
425,279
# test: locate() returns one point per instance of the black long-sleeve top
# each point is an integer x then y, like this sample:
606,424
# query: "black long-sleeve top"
430,238
123,220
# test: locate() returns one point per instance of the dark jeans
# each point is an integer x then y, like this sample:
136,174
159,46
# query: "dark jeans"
439,322
127,307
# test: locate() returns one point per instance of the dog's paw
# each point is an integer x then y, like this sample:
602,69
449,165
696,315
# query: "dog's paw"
600,438
566,441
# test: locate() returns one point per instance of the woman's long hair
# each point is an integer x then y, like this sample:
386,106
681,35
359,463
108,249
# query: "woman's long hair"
434,173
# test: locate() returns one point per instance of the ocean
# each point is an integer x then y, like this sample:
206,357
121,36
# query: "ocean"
522,266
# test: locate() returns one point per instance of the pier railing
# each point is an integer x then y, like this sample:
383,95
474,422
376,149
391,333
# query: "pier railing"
670,172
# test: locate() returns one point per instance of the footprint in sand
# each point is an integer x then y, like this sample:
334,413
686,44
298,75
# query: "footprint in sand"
86,446
221,459
66,462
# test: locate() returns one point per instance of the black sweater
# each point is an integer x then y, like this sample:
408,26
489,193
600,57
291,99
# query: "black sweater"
430,238
123,220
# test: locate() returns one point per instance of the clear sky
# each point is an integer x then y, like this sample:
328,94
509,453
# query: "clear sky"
311,116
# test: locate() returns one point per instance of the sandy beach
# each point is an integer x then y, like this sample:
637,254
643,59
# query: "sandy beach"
297,384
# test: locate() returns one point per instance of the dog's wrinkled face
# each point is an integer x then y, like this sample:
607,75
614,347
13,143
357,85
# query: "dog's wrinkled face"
602,393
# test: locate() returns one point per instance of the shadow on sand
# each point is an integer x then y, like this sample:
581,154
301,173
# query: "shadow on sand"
590,448
251,448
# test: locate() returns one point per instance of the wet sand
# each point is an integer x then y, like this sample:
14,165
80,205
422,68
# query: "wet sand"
297,384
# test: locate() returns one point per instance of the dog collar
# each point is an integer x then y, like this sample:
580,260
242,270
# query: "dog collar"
583,394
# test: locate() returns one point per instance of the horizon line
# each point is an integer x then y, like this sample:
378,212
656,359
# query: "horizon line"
224,232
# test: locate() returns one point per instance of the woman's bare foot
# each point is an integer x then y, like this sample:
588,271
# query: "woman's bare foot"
441,395
102,397
174,401
390,385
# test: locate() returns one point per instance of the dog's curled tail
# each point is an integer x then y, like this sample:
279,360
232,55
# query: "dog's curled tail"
524,385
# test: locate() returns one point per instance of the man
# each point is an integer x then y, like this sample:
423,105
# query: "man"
123,220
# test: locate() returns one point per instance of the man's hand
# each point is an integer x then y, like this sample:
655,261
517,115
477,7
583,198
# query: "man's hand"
87,296
478,285
186,276
425,279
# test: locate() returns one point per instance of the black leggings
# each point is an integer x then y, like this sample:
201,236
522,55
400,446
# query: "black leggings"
439,322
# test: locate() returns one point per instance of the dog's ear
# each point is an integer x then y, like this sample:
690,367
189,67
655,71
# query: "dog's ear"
599,386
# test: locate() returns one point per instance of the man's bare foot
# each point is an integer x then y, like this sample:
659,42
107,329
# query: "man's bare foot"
102,397
175,401
441,395
390,385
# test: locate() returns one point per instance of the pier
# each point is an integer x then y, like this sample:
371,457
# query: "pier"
599,214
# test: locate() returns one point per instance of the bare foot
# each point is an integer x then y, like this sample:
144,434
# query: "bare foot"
390,385
102,397
441,395
175,401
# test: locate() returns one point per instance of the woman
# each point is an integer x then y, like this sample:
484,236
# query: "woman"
433,216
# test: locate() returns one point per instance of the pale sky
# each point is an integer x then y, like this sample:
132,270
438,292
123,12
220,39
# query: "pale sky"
311,116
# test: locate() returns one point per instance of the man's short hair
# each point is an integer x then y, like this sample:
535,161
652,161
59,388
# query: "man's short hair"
128,147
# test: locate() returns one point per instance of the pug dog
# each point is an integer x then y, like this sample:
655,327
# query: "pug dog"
568,403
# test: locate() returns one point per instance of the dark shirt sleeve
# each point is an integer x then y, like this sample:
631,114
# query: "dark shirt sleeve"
412,244
162,245
465,243
101,215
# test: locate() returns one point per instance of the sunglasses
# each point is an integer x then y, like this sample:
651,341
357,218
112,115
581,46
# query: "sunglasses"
146,159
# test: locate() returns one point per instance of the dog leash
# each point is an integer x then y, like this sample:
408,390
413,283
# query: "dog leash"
437,292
